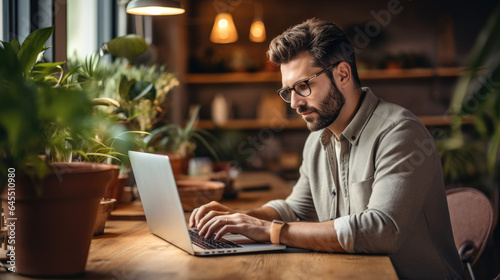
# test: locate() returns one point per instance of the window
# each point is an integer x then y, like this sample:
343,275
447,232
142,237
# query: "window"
90,23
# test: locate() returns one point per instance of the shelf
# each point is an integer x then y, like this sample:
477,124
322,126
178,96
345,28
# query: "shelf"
275,77
298,123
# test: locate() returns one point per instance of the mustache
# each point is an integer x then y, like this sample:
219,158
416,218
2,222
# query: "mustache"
304,108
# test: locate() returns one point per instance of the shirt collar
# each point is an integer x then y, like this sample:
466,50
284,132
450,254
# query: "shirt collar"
358,123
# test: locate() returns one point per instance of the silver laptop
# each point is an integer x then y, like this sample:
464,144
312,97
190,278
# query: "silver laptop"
165,217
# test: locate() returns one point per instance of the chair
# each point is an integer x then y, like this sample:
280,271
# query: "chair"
471,216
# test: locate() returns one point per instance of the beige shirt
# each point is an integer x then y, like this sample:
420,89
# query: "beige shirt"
390,177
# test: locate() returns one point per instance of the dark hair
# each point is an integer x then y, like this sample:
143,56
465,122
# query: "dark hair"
324,41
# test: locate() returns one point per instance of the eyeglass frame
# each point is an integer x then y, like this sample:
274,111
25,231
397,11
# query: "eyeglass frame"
307,81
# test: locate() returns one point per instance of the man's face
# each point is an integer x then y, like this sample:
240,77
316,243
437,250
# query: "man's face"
322,107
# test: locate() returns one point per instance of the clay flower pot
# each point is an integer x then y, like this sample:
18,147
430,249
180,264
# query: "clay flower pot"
116,185
53,230
105,208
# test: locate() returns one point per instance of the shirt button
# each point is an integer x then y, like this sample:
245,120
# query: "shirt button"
353,137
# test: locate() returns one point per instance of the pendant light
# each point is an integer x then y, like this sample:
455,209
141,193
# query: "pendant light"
155,7
224,31
257,29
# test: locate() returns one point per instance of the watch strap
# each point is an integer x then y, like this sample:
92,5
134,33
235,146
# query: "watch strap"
276,227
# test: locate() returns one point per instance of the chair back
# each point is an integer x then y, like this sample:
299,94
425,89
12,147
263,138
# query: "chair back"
471,216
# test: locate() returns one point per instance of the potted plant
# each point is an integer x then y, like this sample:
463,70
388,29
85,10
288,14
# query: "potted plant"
180,142
135,94
471,156
50,205
130,95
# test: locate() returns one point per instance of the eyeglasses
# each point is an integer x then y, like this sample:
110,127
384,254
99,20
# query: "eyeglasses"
301,87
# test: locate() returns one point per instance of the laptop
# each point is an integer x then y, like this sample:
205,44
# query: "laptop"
165,216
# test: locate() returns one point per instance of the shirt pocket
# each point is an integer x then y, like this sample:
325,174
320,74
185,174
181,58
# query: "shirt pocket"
359,194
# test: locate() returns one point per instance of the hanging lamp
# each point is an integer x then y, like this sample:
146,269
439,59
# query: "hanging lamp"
258,29
155,7
224,31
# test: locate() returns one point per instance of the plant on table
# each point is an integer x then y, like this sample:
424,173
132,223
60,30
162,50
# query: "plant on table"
181,142
43,114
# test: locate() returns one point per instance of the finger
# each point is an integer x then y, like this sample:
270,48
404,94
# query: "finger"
227,229
203,229
192,218
209,216
213,226
200,214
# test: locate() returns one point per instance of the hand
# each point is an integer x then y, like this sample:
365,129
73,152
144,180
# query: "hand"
215,217
251,227
206,212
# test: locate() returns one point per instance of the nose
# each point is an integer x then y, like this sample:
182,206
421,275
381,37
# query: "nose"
296,100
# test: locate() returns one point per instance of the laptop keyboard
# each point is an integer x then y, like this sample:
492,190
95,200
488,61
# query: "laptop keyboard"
210,243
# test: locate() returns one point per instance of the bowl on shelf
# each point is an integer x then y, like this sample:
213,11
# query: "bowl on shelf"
194,193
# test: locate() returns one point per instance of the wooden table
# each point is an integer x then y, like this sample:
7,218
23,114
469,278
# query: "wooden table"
128,250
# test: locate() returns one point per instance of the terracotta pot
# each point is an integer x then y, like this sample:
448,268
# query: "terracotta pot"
53,231
180,165
110,189
120,185
116,185
175,163
105,207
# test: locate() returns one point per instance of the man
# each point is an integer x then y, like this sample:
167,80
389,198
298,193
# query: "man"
371,178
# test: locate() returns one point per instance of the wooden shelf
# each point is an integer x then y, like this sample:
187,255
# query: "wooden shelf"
298,123
275,77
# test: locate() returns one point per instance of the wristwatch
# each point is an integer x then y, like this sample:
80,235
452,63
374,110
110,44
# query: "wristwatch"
276,227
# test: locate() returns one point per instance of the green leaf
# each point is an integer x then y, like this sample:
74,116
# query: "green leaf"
128,46
41,71
124,88
10,69
207,145
192,120
15,45
68,74
491,156
102,155
31,48
142,89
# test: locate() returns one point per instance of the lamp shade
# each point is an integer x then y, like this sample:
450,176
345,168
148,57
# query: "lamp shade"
224,30
257,31
155,7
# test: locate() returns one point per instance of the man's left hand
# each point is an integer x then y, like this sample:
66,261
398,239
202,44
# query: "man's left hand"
253,228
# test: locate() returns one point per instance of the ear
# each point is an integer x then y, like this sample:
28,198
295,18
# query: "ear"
343,77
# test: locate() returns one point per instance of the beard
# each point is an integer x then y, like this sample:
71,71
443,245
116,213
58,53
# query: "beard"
328,111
